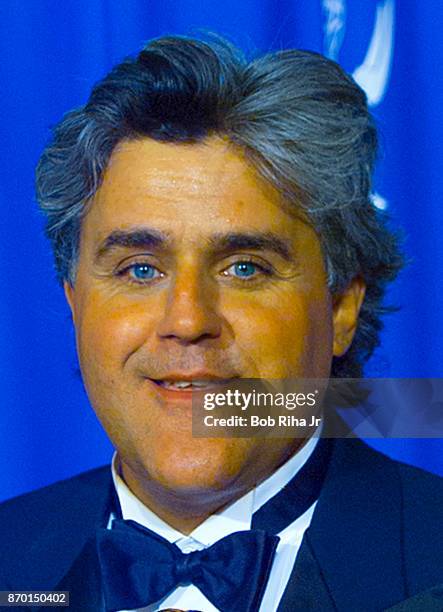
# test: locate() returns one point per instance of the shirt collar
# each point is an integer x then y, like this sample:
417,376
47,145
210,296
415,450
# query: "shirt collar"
235,517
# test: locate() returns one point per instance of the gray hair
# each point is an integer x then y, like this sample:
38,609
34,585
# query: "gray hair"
300,119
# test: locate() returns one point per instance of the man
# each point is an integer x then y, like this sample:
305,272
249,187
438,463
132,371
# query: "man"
211,221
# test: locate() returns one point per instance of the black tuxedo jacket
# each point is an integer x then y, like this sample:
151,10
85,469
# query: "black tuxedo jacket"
375,540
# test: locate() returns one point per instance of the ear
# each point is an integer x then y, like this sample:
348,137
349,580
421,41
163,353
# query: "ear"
70,297
346,308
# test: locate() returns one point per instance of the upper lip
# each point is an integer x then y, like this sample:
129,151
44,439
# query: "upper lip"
201,376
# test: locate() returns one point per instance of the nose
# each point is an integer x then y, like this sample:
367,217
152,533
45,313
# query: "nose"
190,314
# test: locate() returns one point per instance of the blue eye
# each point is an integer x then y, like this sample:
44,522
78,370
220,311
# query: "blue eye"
248,270
244,269
139,273
143,271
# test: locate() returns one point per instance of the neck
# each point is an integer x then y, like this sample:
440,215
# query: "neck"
185,509
182,510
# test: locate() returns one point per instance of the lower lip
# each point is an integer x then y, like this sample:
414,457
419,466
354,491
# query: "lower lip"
185,395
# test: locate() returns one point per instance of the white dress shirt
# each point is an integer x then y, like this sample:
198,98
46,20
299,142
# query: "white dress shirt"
236,517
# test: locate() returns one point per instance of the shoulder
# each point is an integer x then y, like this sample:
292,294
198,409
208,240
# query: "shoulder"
62,498
421,495
382,517
422,513
413,496
376,483
53,521
419,492
419,488
358,459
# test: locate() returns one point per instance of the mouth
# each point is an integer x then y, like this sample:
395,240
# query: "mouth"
190,385
182,388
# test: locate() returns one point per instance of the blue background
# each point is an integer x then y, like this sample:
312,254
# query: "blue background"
50,54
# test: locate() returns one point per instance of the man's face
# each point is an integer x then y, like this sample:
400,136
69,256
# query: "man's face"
190,269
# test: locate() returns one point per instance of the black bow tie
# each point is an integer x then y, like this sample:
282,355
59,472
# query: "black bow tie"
140,568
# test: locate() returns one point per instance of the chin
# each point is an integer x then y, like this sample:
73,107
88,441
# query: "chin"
205,465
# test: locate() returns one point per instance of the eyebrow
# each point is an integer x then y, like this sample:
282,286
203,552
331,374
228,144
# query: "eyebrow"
148,238
257,241
145,238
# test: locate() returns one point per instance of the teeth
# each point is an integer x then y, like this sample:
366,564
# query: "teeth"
201,383
184,384
177,384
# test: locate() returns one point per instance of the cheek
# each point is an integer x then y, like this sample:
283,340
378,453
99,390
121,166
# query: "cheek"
288,336
108,332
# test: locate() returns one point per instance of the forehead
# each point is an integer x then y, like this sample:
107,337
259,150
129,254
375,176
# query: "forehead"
200,188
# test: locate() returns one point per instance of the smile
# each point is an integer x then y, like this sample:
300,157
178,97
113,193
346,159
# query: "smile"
189,385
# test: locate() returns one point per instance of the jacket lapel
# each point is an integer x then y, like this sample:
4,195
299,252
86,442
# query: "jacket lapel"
81,577
83,581
353,545
430,600
306,589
